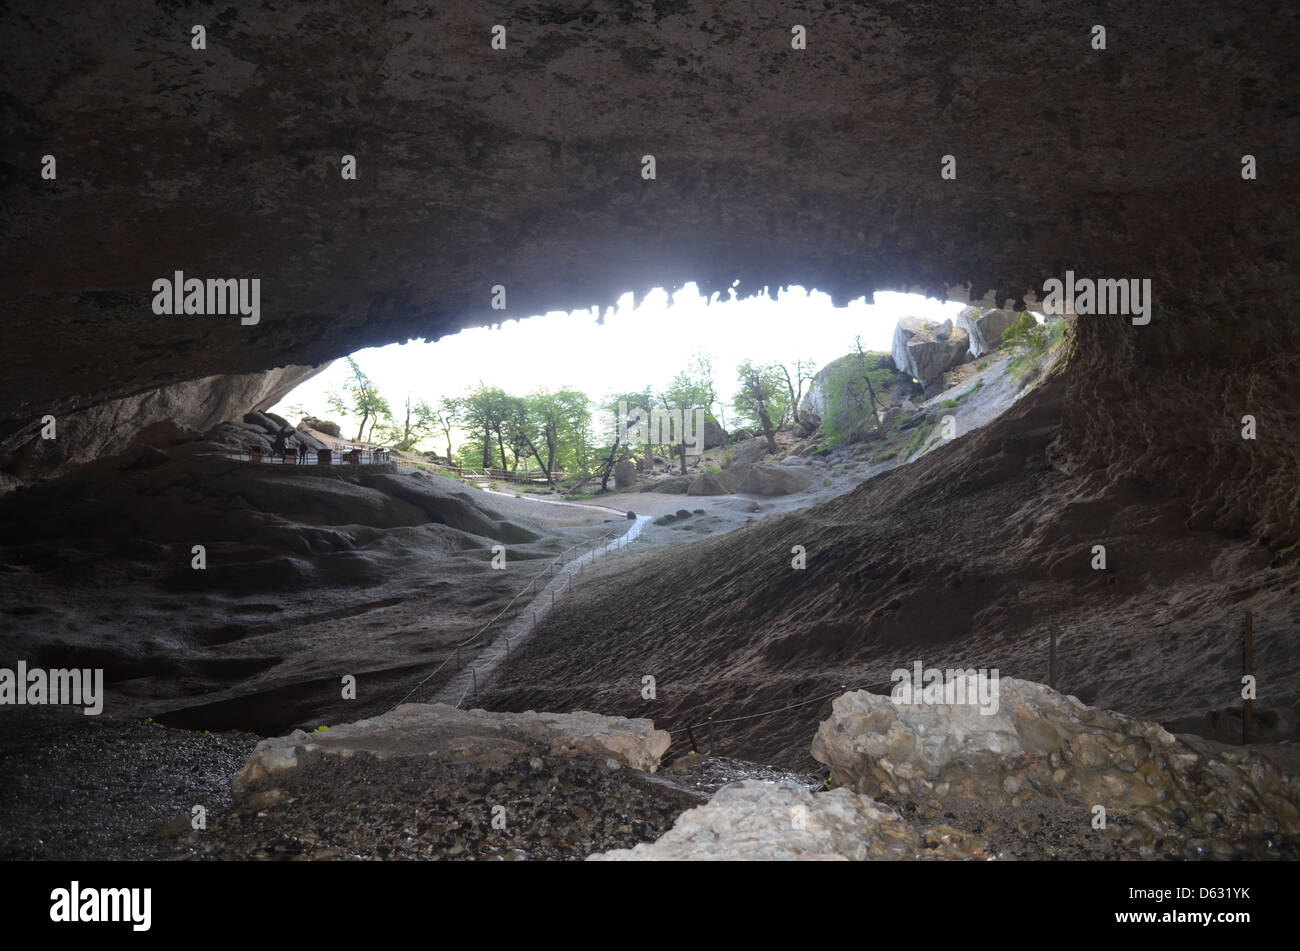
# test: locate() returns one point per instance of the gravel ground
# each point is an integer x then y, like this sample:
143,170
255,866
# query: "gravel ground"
363,808
94,788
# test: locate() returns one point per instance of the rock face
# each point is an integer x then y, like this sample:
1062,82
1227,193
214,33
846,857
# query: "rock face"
985,327
755,821
446,733
925,349
112,427
1180,793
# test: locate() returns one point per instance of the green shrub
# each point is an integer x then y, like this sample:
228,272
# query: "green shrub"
1019,330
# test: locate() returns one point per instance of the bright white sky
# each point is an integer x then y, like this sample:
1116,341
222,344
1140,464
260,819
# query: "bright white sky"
630,349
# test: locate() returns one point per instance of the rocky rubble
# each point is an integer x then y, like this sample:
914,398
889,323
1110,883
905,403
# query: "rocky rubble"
1183,795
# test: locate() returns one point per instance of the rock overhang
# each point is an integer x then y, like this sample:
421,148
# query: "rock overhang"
522,167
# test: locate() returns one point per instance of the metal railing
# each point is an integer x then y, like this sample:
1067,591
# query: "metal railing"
313,457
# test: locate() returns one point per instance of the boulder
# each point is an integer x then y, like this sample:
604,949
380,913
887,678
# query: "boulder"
713,433
449,734
714,483
624,474
301,438
281,424
773,480
837,400
926,349
751,451
321,426
985,327
1031,742
754,820
262,422
677,485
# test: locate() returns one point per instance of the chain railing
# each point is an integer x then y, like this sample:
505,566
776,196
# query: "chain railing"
551,571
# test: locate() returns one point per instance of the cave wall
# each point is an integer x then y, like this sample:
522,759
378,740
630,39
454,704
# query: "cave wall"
521,167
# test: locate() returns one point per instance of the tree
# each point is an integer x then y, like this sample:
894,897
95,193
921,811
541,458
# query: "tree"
486,410
865,370
804,371
761,396
446,416
416,426
637,405
687,392
850,387
359,398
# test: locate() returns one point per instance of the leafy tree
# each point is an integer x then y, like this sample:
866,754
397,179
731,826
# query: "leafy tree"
804,371
359,398
633,401
417,426
446,415
851,383
688,390
762,397
487,410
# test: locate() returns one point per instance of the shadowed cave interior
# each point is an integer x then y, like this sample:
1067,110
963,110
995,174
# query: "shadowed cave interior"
522,168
